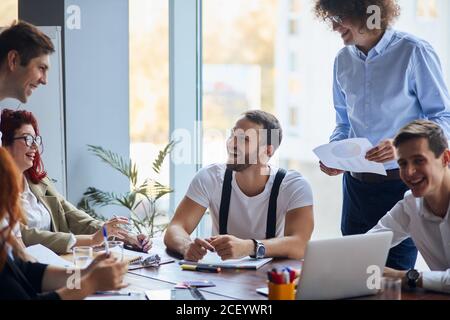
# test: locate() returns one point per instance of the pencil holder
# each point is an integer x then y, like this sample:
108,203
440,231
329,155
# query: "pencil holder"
281,291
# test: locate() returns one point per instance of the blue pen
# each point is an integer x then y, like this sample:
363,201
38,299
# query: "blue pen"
105,236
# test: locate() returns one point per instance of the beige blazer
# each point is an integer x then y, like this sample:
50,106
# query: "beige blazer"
66,219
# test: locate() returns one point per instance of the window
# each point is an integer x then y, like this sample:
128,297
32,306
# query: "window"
149,86
294,6
293,116
293,27
427,9
8,12
293,65
251,61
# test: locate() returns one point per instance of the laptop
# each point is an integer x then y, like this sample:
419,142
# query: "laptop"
340,268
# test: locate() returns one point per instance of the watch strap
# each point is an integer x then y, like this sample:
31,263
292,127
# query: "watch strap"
256,247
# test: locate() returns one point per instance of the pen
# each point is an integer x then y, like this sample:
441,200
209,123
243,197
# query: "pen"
224,266
133,248
105,236
112,293
202,268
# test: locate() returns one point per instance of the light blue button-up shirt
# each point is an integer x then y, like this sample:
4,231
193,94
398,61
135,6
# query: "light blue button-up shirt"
400,80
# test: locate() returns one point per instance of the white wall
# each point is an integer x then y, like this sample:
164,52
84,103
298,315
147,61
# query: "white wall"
96,79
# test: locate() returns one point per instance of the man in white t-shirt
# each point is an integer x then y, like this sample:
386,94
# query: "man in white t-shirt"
424,159
24,61
256,209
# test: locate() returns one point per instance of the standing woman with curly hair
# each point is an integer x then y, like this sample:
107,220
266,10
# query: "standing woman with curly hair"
383,79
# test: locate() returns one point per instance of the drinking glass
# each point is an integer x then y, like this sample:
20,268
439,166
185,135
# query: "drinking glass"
82,256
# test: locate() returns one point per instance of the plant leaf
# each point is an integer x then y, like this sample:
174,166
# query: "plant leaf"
157,164
101,198
127,168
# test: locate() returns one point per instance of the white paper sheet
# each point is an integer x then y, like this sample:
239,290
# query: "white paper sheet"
211,258
46,256
349,155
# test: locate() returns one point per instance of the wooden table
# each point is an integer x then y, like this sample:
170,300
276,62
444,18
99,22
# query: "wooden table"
231,284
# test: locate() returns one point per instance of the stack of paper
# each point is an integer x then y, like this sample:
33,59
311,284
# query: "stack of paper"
213,259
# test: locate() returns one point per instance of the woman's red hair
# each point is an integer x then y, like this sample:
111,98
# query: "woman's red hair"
10,209
10,122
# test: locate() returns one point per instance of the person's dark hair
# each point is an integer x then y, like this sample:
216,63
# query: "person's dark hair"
11,121
27,40
356,10
269,122
437,141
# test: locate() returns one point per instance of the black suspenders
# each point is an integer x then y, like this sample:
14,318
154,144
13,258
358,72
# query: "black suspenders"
271,212
225,202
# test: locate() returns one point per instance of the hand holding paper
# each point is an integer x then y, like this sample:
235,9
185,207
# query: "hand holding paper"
383,152
349,155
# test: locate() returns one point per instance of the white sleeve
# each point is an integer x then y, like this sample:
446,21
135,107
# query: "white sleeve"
201,187
300,191
397,221
436,280
71,243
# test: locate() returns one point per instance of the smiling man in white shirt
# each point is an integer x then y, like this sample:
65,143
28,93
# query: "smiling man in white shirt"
24,61
256,209
424,159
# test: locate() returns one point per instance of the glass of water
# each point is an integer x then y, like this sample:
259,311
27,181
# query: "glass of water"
391,289
116,249
82,256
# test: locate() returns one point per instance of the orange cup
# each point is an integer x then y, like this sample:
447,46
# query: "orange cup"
284,291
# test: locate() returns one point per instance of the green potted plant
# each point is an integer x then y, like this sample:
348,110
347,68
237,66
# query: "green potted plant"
143,195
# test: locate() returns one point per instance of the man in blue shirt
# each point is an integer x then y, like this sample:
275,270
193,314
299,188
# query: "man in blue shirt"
383,80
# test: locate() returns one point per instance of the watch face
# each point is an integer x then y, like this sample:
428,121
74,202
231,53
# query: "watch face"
261,251
413,274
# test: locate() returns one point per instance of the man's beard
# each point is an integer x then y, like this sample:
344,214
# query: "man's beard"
237,167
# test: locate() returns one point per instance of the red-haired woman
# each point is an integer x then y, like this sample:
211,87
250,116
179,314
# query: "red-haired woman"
20,279
52,221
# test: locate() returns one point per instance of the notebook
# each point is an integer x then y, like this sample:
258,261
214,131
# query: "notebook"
212,259
175,294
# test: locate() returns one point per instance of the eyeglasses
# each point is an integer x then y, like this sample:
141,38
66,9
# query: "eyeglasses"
29,140
336,19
